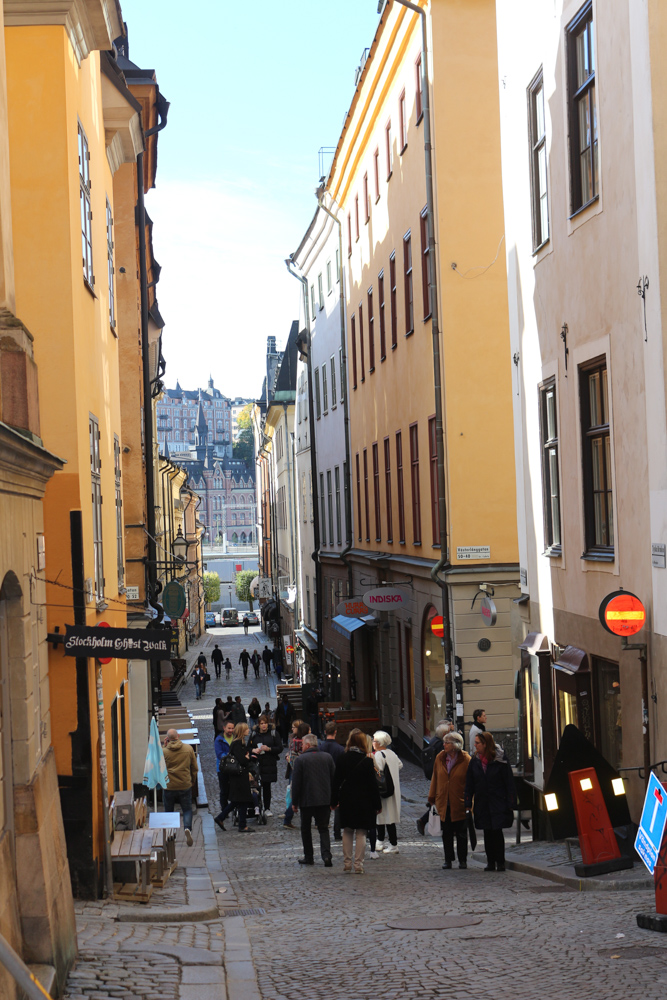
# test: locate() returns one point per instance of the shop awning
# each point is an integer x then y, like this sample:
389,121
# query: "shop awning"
305,639
346,626
572,660
534,643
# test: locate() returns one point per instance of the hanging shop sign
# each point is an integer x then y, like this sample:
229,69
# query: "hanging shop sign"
173,599
385,598
353,607
622,613
488,611
121,643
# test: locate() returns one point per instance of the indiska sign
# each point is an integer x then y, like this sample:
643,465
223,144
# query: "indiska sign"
121,643
385,598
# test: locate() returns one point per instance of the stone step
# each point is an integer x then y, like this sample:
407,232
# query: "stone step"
45,976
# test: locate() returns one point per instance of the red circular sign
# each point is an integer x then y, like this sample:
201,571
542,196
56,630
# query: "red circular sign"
622,613
107,659
438,626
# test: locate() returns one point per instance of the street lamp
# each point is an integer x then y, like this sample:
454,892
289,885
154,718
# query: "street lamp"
180,547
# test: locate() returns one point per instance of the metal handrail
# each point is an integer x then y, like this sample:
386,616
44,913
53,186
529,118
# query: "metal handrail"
19,971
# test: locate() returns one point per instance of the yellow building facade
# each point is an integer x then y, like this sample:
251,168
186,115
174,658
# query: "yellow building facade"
377,187
66,139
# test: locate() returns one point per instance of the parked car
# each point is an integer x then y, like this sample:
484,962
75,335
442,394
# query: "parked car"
209,619
230,616
252,617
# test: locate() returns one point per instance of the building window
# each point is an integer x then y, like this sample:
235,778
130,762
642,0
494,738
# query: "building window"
86,210
330,504
583,116
426,263
320,290
361,343
329,284
419,106
318,402
399,487
366,499
96,483
110,268
402,121
312,301
323,509
376,493
383,339
367,205
339,536
596,447
332,363
388,147
414,477
356,216
349,235
353,325
538,161
387,488
342,374
359,525
119,513
371,332
433,470
325,390
407,282
376,173
392,302
550,477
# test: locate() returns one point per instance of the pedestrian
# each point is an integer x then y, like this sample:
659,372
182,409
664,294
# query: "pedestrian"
201,662
199,675
238,711
312,781
219,716
217,657
278,665
223,741
266,656
331,746
246,623
256,661
269,714
228,669
294,748
429,755
313,710
182,770
284,717
447,794
240,795
490,793
355,793
390,813
478,720
244,660
269,747
254,712
229,706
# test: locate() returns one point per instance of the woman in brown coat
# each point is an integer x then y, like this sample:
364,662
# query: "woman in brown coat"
447,793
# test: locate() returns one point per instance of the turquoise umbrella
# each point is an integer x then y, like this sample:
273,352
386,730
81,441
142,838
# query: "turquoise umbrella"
155,768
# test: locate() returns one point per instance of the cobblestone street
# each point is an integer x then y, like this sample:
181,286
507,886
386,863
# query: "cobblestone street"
323,934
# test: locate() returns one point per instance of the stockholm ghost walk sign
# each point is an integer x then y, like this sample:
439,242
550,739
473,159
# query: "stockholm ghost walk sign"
119,643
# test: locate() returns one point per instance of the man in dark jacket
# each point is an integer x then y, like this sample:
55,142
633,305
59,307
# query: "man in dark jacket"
238,711
217,657
267,657
284,716
244,660
313,710
312,778
331,745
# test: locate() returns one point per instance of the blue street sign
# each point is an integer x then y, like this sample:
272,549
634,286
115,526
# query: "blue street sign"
652,823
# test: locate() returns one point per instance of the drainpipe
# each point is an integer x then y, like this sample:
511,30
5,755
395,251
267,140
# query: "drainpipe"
319,606
289,445
443,563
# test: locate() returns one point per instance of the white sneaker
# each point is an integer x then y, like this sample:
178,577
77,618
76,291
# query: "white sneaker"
392,849
374,855
188,837
380,846
267,812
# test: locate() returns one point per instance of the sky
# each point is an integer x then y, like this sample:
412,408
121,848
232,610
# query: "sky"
256,88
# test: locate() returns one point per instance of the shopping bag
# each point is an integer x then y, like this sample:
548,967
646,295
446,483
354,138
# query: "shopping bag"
434,826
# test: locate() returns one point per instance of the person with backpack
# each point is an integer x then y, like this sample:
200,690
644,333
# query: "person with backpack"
239,757
223,741
390,814
217,657
429,754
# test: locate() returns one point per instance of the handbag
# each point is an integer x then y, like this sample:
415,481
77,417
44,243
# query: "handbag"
434,825
385,781
472,833
230,766
207,676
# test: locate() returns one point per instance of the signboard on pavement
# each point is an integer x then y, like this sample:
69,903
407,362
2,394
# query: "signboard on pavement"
652,824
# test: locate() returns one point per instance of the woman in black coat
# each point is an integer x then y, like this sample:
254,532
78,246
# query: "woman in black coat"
240,795
271,749
355,793
490,793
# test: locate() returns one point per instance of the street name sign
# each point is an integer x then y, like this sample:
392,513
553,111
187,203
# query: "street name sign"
652,824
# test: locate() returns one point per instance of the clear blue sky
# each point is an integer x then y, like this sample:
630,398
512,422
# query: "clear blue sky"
256,88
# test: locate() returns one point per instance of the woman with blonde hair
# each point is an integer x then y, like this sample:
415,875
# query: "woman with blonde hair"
390,813
238,762
355,793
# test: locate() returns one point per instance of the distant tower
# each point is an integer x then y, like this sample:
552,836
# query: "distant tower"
210,383
273,359
201,434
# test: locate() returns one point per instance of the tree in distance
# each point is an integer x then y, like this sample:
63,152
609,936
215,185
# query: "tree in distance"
243,581
244,446
211,588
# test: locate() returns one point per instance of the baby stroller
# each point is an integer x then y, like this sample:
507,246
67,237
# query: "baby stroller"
255,791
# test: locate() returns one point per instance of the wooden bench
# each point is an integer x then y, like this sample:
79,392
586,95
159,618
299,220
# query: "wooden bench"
137,846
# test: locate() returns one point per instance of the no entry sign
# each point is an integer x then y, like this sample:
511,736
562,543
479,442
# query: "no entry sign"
438,626
622,613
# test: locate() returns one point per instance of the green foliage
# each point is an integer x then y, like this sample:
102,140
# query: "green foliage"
211,588
243,581
244,447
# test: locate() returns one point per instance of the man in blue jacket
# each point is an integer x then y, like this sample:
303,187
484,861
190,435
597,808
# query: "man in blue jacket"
222,743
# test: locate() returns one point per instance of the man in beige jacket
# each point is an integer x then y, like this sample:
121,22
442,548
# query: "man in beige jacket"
182,770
